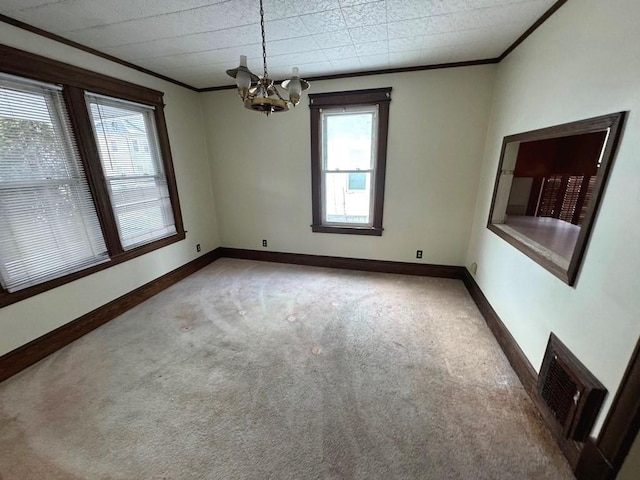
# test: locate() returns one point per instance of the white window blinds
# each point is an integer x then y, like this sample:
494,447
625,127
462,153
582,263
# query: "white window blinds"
127,140
49,226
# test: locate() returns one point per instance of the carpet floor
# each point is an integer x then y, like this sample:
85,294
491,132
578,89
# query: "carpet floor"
254,370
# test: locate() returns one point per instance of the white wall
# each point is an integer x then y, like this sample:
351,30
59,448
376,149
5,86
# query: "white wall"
262,171
29,319
581,63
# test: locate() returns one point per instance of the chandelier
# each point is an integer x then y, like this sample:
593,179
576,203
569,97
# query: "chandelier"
260,93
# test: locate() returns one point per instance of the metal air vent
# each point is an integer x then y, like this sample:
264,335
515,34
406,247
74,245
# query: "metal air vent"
570,391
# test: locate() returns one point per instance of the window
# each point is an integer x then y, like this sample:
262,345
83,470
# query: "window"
86,179
136,181
348,158
548,188
49,224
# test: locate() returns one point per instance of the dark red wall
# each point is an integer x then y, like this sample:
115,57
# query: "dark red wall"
573,155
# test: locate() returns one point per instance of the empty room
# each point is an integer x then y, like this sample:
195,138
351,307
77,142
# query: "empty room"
333,239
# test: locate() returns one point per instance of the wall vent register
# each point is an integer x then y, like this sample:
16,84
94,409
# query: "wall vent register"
571,393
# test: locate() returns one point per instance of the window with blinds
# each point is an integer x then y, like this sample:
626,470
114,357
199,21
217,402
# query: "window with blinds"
549,197
129,150
49,223
566,197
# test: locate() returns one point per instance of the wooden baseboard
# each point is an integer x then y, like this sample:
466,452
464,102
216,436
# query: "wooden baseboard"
34,351
515,355
383,266
593,464
521,365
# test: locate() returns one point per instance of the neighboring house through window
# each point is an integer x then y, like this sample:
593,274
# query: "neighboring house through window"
348,157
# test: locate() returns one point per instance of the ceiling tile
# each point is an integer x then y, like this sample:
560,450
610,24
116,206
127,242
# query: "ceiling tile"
365,14
405,59
372,48
371,33
408,28
409,9
275,9
10,5
294,45
290,60
308,69
508,33
206,19
347,51
285,28
436,56
303,7
55,16
247,35
486,17
346,64
368,62
337,38
350,3
253,53
323,22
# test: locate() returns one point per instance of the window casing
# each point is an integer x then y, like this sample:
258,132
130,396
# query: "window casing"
136,181
91,220
548,188
348,160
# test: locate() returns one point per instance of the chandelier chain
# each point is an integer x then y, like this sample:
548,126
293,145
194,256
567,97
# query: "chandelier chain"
264,41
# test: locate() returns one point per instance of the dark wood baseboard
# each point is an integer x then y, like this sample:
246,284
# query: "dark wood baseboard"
515,355
382,266
521,365
593,464
603,458
34,351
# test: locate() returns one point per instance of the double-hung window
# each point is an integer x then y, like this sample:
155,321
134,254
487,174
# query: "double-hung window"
348,143
135,178
49,223
86,179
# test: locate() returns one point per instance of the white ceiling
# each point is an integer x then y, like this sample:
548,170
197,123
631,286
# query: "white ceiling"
195,41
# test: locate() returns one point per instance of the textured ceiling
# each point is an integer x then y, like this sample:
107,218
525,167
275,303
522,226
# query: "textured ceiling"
195,41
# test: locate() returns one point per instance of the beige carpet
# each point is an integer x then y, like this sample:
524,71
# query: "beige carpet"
252,370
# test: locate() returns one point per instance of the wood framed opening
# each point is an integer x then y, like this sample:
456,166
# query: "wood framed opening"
548,188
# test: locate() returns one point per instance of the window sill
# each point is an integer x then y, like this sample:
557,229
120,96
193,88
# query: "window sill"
7,298
544,257
373,231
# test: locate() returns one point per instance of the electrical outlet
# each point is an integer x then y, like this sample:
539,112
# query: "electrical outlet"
418,253
264,243
198,248
474,268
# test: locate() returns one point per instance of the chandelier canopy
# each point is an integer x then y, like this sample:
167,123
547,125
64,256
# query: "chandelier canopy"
260,93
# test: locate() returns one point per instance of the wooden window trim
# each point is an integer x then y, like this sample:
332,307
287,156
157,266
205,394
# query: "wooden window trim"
75,81
615,122
318,101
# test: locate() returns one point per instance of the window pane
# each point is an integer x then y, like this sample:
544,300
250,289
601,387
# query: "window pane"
357,181
348,140
142,208
343,204
49,224
130,156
